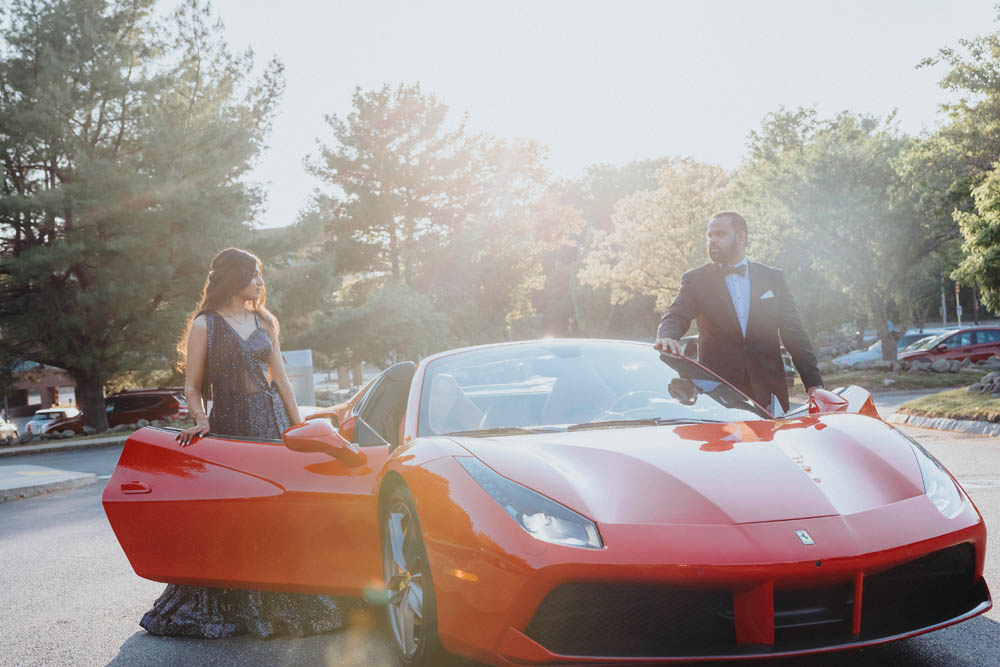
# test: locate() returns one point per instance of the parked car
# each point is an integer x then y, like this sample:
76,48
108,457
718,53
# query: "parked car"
52,419
690,349
126,407
571,501
874,351
974,343
8,432
129,406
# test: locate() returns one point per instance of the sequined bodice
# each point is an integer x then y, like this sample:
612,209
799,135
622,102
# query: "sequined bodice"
237,366
244,403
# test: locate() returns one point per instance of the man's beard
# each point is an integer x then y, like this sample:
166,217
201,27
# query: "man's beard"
721,255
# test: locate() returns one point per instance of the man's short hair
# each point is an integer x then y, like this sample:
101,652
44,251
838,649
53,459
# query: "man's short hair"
737,221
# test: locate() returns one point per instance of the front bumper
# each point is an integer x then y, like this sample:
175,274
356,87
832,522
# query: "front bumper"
725,591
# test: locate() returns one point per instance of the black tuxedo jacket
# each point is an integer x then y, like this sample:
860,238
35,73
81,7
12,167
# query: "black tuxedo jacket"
722,347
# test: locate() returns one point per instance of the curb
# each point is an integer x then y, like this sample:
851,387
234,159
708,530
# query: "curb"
943,424
63,446
68,480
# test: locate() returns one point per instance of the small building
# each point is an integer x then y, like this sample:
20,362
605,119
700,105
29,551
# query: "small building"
37,386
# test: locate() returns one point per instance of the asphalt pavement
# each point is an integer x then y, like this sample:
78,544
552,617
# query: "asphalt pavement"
70,597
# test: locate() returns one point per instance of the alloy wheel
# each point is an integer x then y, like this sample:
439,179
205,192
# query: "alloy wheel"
403,565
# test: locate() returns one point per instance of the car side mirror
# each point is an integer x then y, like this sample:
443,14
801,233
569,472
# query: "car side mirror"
319,435
941,347
326,414
822,401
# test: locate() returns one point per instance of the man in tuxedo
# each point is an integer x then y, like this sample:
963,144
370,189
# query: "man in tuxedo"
742,308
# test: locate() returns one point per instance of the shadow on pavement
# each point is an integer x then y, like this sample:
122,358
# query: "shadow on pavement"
362,644
354,647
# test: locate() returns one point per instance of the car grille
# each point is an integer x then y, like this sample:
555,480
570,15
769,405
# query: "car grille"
639,620
605,619
925,591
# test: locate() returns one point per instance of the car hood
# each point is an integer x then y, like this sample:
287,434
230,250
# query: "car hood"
713,474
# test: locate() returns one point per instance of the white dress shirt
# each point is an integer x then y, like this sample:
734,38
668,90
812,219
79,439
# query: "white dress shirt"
739,291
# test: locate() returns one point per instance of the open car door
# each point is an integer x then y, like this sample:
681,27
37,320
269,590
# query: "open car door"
244,513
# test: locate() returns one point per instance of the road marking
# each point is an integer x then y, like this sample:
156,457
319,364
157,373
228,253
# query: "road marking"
104,477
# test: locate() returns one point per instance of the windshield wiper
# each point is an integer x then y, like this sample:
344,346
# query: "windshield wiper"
506,430
648,421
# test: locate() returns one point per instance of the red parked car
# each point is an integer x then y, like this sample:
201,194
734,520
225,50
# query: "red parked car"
559,501
974,343
131,405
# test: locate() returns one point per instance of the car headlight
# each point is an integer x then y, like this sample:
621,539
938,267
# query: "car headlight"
544,519
938,484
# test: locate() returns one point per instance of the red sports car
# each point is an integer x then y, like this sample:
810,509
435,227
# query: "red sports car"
572,501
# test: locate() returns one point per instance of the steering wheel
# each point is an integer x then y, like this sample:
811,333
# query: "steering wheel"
635,400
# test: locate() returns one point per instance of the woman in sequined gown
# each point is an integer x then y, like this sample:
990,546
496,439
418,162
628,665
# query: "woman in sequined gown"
232,356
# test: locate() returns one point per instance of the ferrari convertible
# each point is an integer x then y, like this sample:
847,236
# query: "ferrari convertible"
571,501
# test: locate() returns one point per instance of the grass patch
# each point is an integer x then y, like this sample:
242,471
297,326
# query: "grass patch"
956,404
872,380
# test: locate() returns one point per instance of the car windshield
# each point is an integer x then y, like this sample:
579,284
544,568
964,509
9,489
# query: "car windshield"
929,342
46,416
918,342
557,384
875,347
909,339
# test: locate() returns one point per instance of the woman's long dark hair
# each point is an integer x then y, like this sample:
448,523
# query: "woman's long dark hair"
231,271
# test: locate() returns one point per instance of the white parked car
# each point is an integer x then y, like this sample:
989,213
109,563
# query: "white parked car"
8,432
44,420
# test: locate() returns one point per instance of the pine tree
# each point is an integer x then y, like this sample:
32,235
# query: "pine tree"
124,143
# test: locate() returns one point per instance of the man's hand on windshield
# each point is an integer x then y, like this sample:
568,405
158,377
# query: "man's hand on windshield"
668,345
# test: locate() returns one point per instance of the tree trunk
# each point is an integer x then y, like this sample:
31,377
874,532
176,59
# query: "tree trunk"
881,313
394,250
90,399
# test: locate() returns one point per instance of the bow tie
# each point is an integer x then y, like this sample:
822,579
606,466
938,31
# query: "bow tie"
741,269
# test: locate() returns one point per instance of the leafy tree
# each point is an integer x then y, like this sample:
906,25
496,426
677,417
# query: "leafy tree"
953,160
981,231
958,163
657,235
458,218
301,273
124,143
379,321
829,197
399,174
590,310
485,273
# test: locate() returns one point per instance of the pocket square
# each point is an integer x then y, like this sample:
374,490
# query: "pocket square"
767,295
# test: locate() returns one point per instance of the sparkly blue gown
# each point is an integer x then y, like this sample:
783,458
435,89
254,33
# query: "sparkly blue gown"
245,405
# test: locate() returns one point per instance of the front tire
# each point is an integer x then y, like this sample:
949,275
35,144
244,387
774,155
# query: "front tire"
411,609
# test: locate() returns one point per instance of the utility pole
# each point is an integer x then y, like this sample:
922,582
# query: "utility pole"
958,306
975,306
944,308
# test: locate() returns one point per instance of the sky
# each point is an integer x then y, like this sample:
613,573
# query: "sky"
597,82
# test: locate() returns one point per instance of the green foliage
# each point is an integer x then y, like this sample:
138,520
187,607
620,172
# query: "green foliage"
387,323
461,220
124,145
400,178
981,231
301,274
657,235
591,311
837,214
484,275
